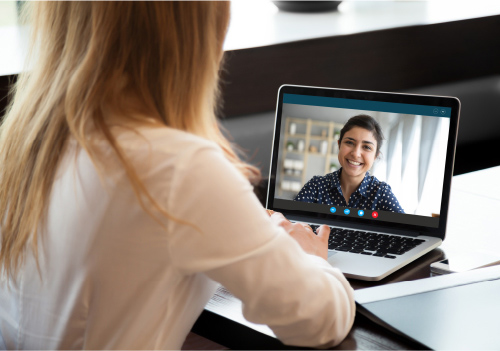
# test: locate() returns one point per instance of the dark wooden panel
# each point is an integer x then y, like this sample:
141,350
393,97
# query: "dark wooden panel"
386,60
477,155
5,83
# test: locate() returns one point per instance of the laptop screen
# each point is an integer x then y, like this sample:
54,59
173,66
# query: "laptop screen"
365,157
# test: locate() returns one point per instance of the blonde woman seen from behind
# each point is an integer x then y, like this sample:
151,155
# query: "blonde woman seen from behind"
124,205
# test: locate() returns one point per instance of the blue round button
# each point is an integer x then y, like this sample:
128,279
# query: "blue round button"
333,209
347,211
361,213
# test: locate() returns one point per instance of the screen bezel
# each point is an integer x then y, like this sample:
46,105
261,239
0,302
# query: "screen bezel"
335,219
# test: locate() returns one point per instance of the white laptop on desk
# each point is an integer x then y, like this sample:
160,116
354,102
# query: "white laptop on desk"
399,212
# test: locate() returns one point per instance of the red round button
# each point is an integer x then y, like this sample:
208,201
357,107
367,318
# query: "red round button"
374,214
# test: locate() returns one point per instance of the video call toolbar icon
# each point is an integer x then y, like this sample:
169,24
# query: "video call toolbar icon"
361,213
333,209
347,211
374,214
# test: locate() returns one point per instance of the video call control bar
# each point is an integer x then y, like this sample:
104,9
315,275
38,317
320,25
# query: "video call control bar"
337,212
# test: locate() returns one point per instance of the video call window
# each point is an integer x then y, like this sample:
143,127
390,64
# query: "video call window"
407,174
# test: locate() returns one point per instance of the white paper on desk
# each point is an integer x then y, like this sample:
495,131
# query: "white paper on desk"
227,305
391,291
466,261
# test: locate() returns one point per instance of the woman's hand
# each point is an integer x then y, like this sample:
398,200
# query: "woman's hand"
303,233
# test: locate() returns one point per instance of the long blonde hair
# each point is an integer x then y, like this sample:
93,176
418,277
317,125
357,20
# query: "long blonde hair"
87,60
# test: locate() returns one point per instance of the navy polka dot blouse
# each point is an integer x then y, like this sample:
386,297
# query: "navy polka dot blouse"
372,194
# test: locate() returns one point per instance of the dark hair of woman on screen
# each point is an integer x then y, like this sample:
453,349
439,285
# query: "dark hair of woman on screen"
352,185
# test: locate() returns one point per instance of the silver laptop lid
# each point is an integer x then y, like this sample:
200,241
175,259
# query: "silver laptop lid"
405,178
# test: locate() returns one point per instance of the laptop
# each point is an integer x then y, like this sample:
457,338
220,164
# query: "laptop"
400,208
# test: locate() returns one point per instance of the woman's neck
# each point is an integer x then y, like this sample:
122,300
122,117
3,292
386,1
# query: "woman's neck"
349,185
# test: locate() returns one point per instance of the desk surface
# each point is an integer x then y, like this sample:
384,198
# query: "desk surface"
475,200
259,23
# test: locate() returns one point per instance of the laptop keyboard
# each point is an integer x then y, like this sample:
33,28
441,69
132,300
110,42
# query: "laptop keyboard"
367,243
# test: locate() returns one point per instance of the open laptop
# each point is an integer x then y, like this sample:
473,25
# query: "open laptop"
371,236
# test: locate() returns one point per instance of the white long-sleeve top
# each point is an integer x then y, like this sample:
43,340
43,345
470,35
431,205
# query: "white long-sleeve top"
111,277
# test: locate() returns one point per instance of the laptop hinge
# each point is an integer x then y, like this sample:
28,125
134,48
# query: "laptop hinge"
355,226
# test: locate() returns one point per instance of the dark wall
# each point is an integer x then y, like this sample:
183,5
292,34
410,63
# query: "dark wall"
387,60
5,83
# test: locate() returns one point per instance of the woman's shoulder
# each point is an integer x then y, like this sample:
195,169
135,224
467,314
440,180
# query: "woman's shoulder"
162,139
161,150
376,183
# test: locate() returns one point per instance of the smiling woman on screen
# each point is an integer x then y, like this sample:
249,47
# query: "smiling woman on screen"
352,185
